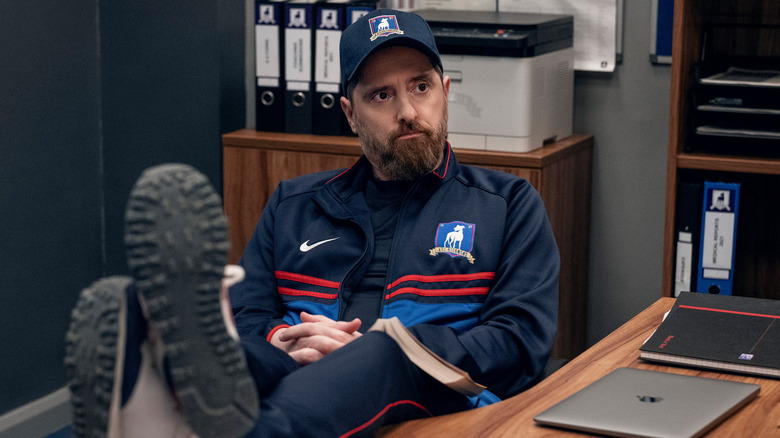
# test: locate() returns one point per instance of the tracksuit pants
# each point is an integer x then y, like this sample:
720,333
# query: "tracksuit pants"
353,391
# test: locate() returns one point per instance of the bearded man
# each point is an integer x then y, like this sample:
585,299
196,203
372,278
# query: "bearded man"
336,250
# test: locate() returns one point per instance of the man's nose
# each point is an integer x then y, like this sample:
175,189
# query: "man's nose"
406,109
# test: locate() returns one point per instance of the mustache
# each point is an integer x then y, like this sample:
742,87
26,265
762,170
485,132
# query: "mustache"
410,128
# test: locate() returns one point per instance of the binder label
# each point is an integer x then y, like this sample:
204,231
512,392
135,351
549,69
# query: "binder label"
327,66
267,41
716,274
682,279
329,19
718,236
298,45
267,15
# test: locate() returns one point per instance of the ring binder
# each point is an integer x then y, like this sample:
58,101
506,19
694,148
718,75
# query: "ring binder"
718,238
269,60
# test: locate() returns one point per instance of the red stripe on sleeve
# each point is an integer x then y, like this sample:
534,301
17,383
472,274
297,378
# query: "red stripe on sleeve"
274,330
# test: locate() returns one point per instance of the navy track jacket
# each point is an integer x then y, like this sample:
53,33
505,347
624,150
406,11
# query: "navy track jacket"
473,268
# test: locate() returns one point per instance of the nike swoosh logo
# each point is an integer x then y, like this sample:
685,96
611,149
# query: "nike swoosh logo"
305,247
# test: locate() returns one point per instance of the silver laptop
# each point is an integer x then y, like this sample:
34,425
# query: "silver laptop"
630,402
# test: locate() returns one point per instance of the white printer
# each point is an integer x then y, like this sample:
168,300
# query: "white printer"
512,76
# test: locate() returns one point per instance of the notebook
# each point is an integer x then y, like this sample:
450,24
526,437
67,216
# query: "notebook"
641,403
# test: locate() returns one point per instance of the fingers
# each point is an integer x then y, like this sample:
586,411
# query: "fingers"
313,347
327,330
346,326
308,317
306,356
315,337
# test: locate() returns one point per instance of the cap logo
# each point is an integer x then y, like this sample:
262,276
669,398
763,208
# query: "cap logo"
384,25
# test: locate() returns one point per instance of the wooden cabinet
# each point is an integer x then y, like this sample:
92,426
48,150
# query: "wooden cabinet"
711,34
255,162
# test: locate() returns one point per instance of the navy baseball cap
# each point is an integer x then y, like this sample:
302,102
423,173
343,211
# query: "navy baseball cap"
383,28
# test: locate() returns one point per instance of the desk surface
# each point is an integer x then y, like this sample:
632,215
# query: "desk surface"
514,417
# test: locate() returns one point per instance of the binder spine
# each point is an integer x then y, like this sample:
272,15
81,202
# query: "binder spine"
298,68
327,116
718,238
269,62
688,233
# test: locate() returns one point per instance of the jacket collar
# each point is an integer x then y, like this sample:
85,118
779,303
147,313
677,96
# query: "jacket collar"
345,185
354,178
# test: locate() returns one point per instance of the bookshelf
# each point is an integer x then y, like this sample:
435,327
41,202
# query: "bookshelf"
714,34
255,162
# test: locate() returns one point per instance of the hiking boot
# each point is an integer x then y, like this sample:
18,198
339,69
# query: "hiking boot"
94,357
116,390
177,242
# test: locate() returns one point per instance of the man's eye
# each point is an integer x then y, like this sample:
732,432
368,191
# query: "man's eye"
422,87
382,95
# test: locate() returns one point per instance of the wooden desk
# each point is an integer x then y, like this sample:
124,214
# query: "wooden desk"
514,417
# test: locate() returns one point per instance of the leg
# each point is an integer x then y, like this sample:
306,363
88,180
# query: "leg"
94,356
176,235
354,391
116,390
177,239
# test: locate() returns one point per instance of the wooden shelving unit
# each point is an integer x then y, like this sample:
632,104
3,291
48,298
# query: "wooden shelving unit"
726,31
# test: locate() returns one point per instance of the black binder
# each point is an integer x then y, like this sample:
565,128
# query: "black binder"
327,118
269,62
298,34
687,236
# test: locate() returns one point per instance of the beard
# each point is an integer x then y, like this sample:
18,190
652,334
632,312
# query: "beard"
405,159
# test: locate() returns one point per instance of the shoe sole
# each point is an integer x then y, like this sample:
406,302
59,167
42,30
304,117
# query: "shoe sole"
176,238
94,357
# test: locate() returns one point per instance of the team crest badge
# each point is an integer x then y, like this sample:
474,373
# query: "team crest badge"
455,239
384,25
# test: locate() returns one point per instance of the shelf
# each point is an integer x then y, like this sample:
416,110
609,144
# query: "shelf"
709,35
728,163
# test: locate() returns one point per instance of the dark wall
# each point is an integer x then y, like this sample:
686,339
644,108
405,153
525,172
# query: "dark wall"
91,93
160,82
49,186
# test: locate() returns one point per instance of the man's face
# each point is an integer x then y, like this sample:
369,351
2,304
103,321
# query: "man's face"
399,111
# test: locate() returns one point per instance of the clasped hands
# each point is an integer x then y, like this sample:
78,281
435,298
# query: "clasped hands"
315,337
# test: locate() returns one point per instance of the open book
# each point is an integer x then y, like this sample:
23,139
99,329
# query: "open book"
427,360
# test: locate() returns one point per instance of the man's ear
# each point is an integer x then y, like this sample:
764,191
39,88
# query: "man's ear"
346,106
446,83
